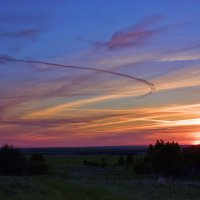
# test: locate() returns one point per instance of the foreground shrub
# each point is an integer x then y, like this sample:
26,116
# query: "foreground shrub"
11,161
37,165
166,158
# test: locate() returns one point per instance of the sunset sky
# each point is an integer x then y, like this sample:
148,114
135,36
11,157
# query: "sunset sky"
130,72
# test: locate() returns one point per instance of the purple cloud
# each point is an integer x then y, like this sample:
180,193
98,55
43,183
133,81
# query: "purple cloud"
132,36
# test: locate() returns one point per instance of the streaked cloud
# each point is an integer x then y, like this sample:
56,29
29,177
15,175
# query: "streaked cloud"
135,35
60,92
31,33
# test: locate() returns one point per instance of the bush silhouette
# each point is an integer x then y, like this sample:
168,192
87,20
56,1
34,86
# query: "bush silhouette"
166,158
11,161
37,165
129,161
85,162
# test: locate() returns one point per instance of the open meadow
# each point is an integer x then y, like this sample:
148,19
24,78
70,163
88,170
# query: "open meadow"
99,100
67,178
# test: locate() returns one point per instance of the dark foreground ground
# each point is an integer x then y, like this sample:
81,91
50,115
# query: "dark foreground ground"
68,179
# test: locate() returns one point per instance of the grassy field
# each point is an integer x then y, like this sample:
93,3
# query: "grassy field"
49,188
78,160
69,180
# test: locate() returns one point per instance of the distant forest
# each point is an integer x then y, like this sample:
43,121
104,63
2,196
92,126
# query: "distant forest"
166,159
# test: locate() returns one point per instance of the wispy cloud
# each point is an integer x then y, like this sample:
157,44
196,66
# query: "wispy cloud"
131,126
72,104
31,33
31,26
133,36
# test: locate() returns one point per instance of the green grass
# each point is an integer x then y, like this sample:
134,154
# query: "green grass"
138,191
59,161
48,188
60,165
52,188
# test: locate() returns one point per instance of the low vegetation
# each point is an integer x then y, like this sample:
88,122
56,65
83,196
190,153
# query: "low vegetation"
12,162
103,177
37,165
163,159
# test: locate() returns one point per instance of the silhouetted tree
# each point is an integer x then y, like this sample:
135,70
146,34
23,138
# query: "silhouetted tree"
11,161
166,158
37,165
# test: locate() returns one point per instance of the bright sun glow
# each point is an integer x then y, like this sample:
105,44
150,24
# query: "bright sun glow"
196,138
196,142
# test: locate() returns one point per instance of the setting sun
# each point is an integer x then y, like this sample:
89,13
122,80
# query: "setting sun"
99,99
196,138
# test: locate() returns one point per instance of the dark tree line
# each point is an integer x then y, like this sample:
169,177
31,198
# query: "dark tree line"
163,158
12,162
166,158
170,159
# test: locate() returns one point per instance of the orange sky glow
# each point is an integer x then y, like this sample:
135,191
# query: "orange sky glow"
129,76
